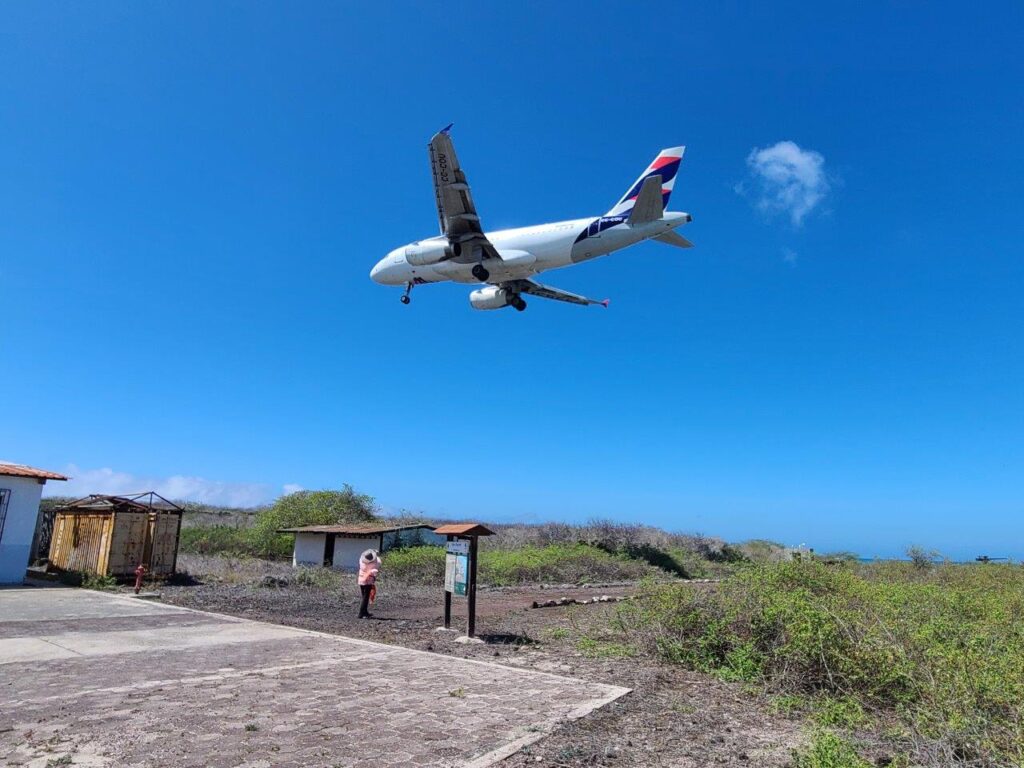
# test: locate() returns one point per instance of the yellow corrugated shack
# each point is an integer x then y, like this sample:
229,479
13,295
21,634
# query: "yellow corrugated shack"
112,535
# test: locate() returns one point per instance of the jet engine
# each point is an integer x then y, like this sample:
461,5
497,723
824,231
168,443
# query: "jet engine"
491,297
424,254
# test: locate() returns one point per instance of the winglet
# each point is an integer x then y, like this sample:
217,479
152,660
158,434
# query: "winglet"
446,128
605,303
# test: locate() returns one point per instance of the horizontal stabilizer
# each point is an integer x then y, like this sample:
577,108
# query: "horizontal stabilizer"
647,207
671,238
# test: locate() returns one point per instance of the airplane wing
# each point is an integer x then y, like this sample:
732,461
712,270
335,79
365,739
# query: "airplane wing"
547,292
456,212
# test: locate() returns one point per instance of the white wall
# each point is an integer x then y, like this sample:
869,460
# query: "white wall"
309,549
19,526
347,551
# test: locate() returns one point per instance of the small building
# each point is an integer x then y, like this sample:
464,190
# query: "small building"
21,488
339,546
112,535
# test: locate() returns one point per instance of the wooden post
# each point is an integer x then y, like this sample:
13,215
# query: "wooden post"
472,586
448,601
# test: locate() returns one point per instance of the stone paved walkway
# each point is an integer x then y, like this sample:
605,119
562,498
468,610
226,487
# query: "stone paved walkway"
113,681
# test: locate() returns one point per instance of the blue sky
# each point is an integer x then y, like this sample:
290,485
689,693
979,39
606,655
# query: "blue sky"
192,195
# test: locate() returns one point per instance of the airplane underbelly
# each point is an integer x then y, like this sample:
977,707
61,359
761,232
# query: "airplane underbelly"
499,272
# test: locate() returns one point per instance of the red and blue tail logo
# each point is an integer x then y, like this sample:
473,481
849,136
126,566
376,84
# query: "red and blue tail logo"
666,165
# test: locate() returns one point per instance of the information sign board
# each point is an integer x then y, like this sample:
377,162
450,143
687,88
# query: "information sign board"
456,573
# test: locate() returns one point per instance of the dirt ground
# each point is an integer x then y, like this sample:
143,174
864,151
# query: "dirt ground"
672,717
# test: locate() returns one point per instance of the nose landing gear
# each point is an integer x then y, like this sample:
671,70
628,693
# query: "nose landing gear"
405,296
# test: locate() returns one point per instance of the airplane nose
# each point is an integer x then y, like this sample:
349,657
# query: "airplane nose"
375,273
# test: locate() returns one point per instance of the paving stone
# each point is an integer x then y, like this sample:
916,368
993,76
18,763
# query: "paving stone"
164,685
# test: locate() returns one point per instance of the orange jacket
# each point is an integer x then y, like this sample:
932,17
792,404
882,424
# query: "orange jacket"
368,569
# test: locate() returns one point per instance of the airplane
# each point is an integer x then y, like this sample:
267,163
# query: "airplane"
507,260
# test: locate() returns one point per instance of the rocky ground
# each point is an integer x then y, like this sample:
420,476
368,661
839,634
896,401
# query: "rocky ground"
672,718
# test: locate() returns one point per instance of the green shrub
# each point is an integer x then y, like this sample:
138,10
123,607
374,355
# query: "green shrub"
215,539
651,555
555,564
306,508
414,565
942,648
827,750
98,581
319,578
841,712
292,511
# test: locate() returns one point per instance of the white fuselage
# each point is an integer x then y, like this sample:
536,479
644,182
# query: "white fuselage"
528,251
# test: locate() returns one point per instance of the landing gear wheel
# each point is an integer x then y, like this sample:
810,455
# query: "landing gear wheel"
519,304
405,299
480,273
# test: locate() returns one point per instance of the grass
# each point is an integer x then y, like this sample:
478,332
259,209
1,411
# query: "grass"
940,649
96,581
828,750
319,578
597,648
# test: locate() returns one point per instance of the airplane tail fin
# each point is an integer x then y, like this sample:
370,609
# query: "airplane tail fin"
666,165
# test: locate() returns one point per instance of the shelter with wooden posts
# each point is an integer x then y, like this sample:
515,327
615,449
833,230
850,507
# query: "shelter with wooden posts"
113,535
339,546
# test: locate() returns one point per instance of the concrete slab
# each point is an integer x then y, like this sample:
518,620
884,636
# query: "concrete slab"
113,681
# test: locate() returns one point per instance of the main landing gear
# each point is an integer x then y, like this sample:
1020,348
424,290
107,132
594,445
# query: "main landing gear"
518,303
480,272
405,296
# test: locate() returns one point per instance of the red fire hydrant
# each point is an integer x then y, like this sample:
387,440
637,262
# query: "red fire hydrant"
139,573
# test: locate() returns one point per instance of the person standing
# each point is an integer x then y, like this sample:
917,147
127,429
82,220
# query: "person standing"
369,567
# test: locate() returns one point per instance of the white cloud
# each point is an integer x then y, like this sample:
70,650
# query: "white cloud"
288,488
179,487
790,256
787,180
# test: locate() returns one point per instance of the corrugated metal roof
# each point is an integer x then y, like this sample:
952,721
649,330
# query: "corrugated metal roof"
148,501
464,529
20,470
352,530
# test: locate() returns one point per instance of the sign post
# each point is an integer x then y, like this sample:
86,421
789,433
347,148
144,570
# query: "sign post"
471,630
460,568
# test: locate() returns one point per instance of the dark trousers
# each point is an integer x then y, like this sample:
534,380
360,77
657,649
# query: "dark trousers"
364,607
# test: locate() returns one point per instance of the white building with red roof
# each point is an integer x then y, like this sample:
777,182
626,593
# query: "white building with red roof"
21,488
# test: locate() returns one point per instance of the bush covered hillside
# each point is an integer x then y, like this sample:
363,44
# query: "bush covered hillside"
549,552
